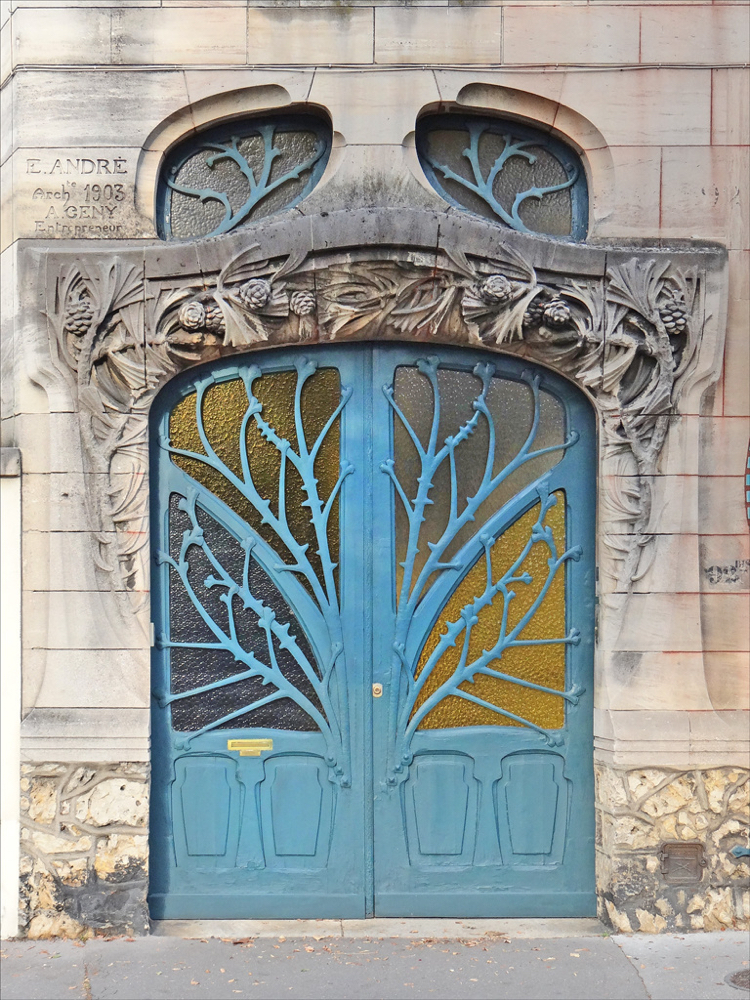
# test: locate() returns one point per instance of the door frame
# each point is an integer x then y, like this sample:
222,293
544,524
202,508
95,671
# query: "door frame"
394,258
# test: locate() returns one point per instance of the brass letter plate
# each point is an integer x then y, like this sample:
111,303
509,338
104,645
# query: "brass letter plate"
250,748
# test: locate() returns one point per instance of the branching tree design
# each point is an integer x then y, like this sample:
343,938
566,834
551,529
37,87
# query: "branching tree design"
418,586
484,186
258,188
321,584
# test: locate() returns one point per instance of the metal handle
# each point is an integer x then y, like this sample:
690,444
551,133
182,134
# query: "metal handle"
377,690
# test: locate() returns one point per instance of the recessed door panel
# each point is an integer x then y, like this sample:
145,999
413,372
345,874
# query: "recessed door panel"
333,525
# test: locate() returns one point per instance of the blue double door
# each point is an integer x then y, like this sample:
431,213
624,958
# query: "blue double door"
372,593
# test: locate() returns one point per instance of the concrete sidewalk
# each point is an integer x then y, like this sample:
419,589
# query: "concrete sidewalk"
378,959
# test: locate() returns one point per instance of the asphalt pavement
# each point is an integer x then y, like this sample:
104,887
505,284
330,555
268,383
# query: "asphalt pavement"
381,960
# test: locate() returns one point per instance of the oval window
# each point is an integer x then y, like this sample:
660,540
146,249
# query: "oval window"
508,172
238,172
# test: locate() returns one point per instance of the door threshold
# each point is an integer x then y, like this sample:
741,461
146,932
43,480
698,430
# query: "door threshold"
447,928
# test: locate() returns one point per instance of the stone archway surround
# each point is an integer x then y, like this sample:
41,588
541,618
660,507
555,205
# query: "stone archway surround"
639,328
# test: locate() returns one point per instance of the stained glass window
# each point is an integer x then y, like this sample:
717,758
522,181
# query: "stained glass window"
510,173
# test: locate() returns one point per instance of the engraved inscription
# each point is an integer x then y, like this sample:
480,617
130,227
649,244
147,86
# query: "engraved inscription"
738,573
79,165
67,195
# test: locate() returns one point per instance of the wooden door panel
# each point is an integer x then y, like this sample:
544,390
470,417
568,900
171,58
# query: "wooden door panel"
484,648
260,666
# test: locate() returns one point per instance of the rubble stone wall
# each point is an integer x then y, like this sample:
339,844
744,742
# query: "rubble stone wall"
639,811
84,849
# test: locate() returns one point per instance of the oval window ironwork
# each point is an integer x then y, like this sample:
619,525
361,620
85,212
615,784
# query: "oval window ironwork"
508,172
238,172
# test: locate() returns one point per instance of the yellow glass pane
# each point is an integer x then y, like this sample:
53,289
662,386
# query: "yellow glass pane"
539,664
224,406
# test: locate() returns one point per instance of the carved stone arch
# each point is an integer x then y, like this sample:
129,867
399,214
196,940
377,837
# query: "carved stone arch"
640,330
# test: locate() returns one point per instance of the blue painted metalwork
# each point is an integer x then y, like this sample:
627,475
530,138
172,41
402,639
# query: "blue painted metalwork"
222,145
418,591
291,830
324,592
494,874
482,183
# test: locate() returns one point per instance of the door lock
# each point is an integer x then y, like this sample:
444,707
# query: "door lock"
377,690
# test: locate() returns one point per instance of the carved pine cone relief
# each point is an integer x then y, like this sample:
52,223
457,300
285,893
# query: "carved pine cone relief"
197,315
556,314
78,316
302,303
534,314
192,315
215,322
497,290
254,294
673,315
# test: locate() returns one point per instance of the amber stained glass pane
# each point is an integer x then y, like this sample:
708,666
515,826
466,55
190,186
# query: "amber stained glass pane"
539,664
224,405
511,408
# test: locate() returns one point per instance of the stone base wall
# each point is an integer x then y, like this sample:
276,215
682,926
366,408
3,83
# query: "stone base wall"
638,812
84,849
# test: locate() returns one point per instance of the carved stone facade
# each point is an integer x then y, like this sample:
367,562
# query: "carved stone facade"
648,316
630,327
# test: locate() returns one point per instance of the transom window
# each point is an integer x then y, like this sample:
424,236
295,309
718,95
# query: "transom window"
510,173
238,172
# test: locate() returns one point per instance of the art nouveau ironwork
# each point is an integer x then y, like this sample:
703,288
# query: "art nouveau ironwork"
240,172
511,173
385,518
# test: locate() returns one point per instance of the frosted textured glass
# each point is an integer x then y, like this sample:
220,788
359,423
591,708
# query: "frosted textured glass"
543,665
224,405
511,407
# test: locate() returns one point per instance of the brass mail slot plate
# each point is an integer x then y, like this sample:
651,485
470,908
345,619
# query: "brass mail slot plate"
250,748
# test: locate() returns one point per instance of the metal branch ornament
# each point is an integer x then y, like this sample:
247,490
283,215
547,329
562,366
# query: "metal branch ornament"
258,183
483,185
418,587
333,721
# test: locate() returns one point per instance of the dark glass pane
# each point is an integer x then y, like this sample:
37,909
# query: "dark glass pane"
192,668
